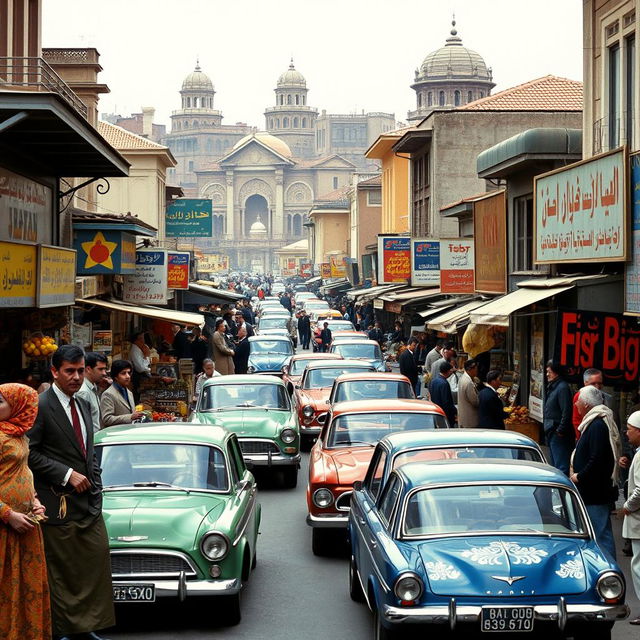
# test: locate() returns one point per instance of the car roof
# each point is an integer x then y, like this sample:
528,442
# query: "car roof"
163,432
374,376
387,405
328,364
269,338
317,356
346,333
490,471
352,341
243,378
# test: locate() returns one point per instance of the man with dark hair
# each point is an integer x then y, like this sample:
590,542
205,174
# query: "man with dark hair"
95,371
67,480
440,392
408,366
556,418
325,337
491,413
468,396
376,334
447,353
433,355
304,329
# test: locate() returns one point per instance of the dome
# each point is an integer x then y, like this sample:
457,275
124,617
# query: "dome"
454,61
279,146
292,78
257,228
197,80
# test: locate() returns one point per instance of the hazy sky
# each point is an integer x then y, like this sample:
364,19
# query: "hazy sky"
355,54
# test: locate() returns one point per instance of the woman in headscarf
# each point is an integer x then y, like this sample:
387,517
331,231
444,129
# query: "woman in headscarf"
24,590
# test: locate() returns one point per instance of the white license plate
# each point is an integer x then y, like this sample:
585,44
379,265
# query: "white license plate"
134,593
506,619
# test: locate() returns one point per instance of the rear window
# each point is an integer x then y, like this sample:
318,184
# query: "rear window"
321,378
372,390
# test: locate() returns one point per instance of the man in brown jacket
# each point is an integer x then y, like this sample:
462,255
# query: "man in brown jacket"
222,352
468,396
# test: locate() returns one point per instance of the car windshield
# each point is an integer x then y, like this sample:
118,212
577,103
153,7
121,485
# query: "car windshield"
283,347
298,366
360,350
233,396
341,326
447,452
372,389
273,323
321,378
368,428
161,465
526,509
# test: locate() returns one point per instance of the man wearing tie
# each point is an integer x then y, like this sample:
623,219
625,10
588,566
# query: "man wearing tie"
95,371
67,480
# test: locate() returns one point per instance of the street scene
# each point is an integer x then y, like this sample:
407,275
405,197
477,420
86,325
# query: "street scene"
319,320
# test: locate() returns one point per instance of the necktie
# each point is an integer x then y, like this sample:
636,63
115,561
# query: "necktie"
75,421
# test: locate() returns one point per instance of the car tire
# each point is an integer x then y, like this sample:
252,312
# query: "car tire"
290,477
254,560
355,588
380,632
320,540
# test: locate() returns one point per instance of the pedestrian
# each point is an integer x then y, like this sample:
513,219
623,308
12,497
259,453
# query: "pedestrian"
491,413
325,337
139,354
199,349
433,355
95,370
447,353
408,366
440,392
222,352
241,351
208,372
376,334
68,483
556,419
594,464
24,590
591,377
468,395
304,329
117,405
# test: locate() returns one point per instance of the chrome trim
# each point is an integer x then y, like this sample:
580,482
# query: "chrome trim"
321,418
172,588
212,532
604,575
344,495
380,577
310,430
248,513
153,552
409,574
330,521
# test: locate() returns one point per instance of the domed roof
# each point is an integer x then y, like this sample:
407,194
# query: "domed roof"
257,228
197,80
279,146
453,61
292,78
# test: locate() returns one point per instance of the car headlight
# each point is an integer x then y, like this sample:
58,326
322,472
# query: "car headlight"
288,435
610,586
251,369
214,546
323,498
408,587
307,411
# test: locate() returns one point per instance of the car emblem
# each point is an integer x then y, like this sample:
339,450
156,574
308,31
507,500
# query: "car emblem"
509,580
131,538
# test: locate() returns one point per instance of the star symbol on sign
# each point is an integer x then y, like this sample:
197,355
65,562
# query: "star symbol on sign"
99,252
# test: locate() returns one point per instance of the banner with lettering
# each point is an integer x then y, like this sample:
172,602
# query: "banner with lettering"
456,266
580,211
189,218
394,259
306,269
149,283
178,270
425,262
490,234
18,274
632,274
56,277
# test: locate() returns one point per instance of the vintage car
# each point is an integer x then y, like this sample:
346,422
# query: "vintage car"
181,513
280,321
339,325
480,546
269,354
258,409
311,394
370,386
368,350
343,451
294,370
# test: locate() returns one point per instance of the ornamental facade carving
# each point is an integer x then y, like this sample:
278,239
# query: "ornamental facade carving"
299,192
216,192
256,187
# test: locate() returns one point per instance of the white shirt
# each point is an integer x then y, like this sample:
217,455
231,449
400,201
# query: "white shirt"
89,392
65,401
139,362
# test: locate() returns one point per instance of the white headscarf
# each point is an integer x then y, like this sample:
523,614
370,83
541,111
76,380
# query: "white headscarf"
603,412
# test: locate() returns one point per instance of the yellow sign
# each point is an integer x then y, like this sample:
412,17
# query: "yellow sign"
56,276
338,267
18,279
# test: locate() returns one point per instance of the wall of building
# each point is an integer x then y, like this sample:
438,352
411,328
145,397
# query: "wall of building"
396,203
331,234
20,28
369,222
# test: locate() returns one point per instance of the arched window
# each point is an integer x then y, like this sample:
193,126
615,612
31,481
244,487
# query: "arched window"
297,99
281,99
456,98
469,96
482,94
429,99
296,123
186,124
441,98
304,123
277,123
195,103
188,103
271,123
285,123
419,100
304,99
196,124
289,225
289,101
297,225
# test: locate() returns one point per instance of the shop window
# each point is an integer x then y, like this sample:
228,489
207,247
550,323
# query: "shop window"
613,92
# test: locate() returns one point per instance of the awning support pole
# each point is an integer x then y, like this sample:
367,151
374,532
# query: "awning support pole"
9,122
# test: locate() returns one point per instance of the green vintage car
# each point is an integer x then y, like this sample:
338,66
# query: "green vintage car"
258,409
181,513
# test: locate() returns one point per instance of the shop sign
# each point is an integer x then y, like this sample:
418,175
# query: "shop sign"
91,286
394,259
609,342
490,234
103,340
378,303
291,263
580,212
189,218
18,274
178,270
456,266
392,307
536,371
632,274
338,268
306,269
56,276
325,270
149,283
104,252
26,209
213,263
425,262
81,335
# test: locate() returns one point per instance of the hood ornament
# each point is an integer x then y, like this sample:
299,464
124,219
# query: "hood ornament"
131,538
509,580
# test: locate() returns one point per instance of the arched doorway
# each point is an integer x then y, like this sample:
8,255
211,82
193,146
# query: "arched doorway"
256,205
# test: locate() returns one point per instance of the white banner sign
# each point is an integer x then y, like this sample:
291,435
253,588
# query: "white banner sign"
149,283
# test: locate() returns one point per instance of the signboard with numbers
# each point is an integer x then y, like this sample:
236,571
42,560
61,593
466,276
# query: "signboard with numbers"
149,283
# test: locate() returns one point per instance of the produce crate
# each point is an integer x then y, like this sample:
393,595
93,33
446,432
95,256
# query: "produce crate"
531,429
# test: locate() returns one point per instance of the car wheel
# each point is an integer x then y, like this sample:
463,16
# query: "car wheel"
355,588
229,608
380,632
254,561
290,476
320,542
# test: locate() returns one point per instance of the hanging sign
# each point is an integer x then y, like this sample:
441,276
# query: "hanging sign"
632,274
18,274
490,234
325,270
104,252
178,270
189,218
56,276
306,269
394,259
457,266
338,268
425,262
149,283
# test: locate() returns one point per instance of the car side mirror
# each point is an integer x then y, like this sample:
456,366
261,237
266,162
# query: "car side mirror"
242,485
249,464
357,485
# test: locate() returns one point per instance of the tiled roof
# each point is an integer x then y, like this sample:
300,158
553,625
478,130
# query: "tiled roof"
398,132
376,181
313,162
549,93
338,195
122,139
463,200
78,215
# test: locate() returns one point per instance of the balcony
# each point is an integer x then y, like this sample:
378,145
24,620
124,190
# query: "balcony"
34,74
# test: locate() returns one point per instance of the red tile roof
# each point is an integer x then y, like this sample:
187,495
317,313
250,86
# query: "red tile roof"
123,140
375,181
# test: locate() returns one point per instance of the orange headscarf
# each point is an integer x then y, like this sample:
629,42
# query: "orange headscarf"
24,408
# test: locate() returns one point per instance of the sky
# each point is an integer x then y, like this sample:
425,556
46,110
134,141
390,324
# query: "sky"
355,54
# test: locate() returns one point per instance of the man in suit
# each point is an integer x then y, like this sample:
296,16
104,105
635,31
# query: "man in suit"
468,396
116,404
440,392
408,366
241,351
95,371
67,480
325,338
304,329
491,413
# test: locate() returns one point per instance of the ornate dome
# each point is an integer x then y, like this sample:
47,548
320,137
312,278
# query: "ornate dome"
453,61
257,228
279,146
197,80
292,78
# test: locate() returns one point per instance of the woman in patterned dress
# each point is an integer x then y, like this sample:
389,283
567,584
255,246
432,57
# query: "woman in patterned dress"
24,591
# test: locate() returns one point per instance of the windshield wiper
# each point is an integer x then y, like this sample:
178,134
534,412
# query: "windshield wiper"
155,483
351,442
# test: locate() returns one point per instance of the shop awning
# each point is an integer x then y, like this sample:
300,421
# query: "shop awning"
409,293
212,292
170,315
448,321
497,311
340,284
374,292
432,310
313,280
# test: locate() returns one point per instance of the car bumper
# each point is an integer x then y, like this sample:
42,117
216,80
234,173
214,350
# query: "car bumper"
329,521
313,430
182,588
272,459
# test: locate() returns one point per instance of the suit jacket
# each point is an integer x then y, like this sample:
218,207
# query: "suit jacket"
222,354
114,409
408,366
467,402
440,394
53,449
491,413
241,356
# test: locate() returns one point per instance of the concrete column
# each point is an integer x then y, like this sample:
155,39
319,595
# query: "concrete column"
230,226
278,220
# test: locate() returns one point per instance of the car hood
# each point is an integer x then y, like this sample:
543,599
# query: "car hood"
486,564
350,464
271,362
248,422
317,397
159,516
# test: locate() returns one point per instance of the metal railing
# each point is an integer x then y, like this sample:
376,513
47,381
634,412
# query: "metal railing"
34,74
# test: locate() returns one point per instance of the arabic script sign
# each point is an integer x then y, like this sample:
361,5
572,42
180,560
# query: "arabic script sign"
56,277
394,259
178,270
18,263
425,262
149,283
632,275
490,234
188,218
580,212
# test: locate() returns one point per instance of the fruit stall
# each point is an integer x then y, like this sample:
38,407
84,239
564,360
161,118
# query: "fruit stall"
519,420
166,394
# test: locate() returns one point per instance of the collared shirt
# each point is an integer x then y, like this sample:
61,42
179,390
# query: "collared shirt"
89,392
65,401
139,362
201,379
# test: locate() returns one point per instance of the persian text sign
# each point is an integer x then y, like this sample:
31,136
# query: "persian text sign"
394,259
609,342
213,263
425,262
178,270
632,275
18,276
149,283
456,266
490,234
56,277
189,218
580,212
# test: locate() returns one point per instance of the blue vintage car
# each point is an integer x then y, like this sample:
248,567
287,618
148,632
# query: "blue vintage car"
480,546
269,354
356,349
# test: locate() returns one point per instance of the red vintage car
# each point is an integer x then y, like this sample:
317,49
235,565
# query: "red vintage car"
365,385
294,370
343,451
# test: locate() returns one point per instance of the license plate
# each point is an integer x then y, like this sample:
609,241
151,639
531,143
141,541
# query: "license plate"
506,619
134,593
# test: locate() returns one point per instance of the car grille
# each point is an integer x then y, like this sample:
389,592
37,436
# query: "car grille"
148,564
258,446
343,503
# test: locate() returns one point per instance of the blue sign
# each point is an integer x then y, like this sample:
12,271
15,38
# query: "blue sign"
425,263
104,252
189,218
632,271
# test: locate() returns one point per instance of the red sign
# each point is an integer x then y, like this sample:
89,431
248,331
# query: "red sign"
394,255
178,270
325,270
490,234
306,269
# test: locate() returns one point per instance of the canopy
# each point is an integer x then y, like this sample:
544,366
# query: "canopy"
448,321
170,315
220,294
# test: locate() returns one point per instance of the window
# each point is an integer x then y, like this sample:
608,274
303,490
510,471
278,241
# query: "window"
297,99
456,98
419,100
277,123
285,123
469,96
373,480
420,192
188,103
630,89
522,259
614,95
482,94
195,103
374,198
304,99
335,182
190,165
389,497
289,101
429,99
304,123
441,98
296,123
271,123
